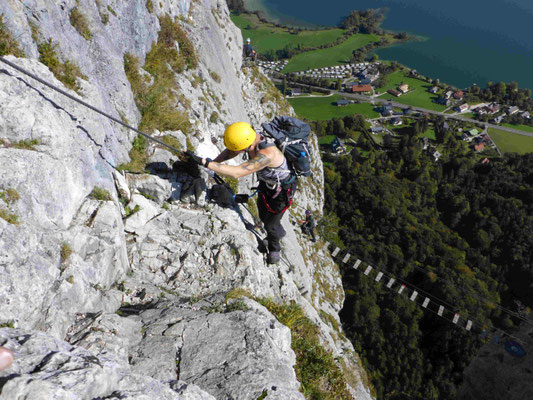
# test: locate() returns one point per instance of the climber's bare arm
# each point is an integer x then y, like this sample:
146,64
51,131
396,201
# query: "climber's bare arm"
226,155
257,163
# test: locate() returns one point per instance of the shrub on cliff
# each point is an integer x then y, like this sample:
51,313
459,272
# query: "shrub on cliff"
8,44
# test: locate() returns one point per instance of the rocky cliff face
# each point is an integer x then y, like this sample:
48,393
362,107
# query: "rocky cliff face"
100,302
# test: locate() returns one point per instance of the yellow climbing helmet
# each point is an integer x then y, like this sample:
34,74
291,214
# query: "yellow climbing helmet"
239,136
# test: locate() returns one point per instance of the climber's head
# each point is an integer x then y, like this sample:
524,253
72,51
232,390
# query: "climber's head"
239,136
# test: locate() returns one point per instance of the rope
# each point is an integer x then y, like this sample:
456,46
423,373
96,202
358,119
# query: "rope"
83,103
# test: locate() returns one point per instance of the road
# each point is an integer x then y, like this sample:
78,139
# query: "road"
377,100
486,125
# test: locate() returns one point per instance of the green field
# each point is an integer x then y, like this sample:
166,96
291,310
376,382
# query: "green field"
322,140
418,95
322,108
331,56
511,142
525,128
267,37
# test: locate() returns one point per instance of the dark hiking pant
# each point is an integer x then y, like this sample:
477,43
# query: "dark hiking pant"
271,205
307,230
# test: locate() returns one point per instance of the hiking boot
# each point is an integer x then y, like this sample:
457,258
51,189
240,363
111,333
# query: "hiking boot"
274,257
263,246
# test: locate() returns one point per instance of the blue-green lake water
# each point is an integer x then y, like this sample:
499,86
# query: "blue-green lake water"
467,41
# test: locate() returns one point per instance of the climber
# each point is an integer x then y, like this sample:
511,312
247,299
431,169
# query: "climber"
276,183
248,51
6,358
308,225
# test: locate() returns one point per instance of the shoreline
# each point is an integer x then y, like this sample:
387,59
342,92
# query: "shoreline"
257,6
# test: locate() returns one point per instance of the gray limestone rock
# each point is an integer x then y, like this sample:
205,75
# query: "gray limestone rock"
152,186
152,265
122,185
147,210
47,368
232,355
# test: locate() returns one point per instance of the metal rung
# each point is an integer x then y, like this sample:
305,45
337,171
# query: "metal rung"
346,258
356,265
413,296
368,269
378,278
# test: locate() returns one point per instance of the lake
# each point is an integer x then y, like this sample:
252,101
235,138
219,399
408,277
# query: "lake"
466,42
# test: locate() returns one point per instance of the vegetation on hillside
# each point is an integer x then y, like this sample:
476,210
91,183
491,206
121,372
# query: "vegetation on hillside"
460,230
8,44
8,197
155,92
79,21
154,86
66,72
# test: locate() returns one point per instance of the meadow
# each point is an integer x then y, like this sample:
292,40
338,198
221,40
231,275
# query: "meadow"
323,108
418,95
266,36
330,56
525,128
509,142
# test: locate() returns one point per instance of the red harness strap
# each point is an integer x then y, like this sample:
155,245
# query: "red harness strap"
269,209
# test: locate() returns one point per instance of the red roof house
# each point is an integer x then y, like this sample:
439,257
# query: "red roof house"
361,88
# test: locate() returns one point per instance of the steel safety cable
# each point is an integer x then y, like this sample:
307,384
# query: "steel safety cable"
64,93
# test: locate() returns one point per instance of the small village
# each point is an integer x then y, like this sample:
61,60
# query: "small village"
360,78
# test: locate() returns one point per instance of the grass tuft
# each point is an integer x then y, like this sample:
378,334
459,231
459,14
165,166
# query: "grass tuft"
172,141
80,22
9,196
138,156
215,76
101,194
237,293
104,17
66,72
26,144
66,252
214,117
150,6
9,217
8,44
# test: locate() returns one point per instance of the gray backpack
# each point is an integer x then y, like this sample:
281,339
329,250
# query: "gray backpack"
290,135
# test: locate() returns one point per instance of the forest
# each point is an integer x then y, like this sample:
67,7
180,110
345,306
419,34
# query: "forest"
460,230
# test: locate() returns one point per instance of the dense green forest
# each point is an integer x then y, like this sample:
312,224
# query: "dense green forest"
460,230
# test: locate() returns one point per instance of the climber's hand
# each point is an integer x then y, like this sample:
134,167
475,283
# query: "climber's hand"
241,198
191,156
